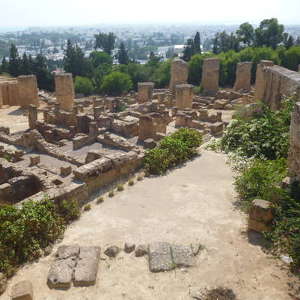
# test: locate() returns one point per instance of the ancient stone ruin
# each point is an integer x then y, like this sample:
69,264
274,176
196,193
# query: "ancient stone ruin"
210,76
71,149
243,77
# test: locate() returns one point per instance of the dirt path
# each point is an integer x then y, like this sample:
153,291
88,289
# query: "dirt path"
193,203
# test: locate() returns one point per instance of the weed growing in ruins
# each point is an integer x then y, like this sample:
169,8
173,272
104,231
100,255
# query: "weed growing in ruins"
140,178
87,207
100,200
111,194
120,188
131,182
69,209
172,150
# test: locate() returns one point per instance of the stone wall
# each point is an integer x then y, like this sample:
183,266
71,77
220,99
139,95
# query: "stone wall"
108,169
277,83
210,76
294,151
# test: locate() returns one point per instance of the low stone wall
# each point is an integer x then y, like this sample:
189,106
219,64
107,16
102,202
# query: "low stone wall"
75,191
278,82
108,169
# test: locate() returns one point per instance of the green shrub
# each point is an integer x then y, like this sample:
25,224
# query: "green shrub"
120,188
111,194
87,207
131,182
25,231
140,178
69,209
100,200
116,84
260,180
83,85
266,135
172,150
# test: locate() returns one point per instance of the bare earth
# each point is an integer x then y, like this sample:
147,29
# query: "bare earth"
192,203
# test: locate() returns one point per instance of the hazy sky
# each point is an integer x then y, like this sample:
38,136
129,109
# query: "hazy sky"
14,13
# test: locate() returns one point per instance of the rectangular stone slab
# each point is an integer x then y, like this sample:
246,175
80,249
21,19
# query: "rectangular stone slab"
61,273
160,257
87,266
182,256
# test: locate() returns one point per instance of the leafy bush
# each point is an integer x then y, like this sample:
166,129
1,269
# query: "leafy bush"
266,135
83,85
116,83
25,231
172,150
260,180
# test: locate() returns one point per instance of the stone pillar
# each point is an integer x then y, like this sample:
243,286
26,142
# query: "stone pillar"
260,80
146,128
32,116
28,90
97,112
179,73
145,91
64,90
210,76
243,77
93,130
184,96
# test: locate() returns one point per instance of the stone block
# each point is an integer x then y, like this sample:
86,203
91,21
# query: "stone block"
261,210
65,170
160,257
87,266
34,160
182,256
149,143
22,291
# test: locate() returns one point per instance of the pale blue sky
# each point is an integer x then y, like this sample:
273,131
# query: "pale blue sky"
15,13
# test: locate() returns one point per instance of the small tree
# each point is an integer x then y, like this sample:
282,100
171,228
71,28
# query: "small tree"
83,85
14,64
197,43
123,55
116,83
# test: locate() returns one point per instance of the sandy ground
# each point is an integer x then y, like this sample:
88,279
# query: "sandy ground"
15,118
192,203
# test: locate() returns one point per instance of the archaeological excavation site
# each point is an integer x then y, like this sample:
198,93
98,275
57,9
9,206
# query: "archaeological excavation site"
136,196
